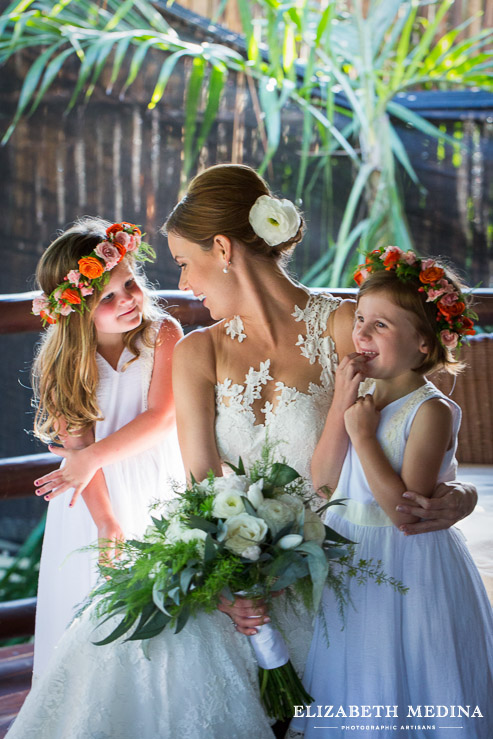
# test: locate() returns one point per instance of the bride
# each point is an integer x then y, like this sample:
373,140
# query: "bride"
265,369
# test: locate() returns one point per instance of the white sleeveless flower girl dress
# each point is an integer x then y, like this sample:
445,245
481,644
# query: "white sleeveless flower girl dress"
203,682
67,574
432,646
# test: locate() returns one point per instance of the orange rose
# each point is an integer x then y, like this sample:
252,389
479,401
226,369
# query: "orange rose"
375,252
466,326
91,267
432,274
449,311
361,275
46,317
391,258
71,296
121,249
114,228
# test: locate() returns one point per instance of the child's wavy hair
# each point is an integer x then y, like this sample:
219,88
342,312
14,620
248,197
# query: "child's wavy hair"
64,372
406,294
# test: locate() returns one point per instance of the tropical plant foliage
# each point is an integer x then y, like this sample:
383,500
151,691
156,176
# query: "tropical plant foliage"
344,71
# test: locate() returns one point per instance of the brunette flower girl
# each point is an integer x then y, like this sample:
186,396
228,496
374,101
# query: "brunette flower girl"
432,647
102,380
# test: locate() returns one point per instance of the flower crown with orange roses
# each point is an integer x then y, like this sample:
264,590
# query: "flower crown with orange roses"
93,273
454,318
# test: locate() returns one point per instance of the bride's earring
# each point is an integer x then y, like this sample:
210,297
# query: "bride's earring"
226,268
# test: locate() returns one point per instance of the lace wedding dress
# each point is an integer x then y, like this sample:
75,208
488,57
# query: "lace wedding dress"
201,683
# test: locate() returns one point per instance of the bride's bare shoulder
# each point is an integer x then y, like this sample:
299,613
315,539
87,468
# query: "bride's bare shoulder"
342,327
195,353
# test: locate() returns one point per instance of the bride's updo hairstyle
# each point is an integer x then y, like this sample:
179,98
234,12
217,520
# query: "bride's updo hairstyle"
219,201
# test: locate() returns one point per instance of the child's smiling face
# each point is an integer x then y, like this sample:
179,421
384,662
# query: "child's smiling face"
387,335
120,306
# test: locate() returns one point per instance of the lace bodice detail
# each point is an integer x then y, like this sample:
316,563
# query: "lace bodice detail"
295,420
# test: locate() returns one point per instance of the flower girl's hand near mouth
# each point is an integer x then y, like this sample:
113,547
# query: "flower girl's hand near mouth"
350,373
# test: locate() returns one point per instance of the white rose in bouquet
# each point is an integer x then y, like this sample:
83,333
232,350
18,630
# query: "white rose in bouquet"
231,483
227,503
253,553
313,529
254,493
243,531
175,530
295,503
276,514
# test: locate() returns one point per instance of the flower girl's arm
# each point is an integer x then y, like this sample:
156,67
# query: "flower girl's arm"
96,496
194,379
329,454
142,433
97,500
429,438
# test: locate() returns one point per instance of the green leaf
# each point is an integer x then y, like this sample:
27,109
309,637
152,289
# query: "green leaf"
216,84
50,73
319,569
282,474
164,75
121,629
197,522
210,550
152,626
194,90
418,122
182,619
29,87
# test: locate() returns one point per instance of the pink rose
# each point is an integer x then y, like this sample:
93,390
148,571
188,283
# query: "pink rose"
109,253
122,238
433,294
409,257
427,263
40,303
57,294
450,298
449,339
73,277
86,290
133,242
65,309
447,286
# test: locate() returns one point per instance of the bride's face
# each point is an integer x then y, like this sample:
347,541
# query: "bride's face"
202,273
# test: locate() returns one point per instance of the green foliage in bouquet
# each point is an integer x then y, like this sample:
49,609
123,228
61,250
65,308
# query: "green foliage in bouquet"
250,534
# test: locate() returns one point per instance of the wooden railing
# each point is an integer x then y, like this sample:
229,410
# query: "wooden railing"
17,473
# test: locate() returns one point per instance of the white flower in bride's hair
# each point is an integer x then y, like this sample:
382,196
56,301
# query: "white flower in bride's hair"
227,503
275,221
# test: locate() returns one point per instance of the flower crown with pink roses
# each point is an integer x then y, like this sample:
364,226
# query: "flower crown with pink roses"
93,273
454,318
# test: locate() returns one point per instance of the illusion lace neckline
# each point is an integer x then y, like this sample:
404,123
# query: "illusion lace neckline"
314,346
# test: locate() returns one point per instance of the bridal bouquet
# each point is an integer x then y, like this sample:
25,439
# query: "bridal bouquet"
248,534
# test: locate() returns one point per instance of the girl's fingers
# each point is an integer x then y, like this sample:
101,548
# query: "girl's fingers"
73,500
78,490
